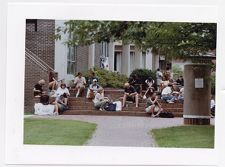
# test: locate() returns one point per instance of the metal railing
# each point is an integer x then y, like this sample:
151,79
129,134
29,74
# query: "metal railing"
38,61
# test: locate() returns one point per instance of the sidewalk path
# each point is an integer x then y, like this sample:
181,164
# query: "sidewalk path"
122,130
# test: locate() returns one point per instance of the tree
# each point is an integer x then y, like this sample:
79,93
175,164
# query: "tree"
170,39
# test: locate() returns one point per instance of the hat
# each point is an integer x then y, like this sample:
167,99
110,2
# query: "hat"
94,80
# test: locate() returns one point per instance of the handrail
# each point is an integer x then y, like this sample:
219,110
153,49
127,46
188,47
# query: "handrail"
29,57
38,59
33,61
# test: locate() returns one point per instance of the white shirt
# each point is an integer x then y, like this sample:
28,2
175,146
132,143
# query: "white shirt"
98,98
79,80
167,90
159,75
61,91
212,103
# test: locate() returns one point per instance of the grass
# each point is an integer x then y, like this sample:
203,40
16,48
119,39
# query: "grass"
185,136
57,132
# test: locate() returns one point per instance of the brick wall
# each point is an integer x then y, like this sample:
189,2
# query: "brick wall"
82,59
41,43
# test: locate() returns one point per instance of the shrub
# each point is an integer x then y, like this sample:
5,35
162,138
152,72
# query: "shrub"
143,74
108,78
177,71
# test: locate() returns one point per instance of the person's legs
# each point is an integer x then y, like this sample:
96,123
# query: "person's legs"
88,93
136,100
78,91
56,110
124,99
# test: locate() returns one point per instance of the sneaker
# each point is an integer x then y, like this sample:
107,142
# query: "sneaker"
144,97
171,102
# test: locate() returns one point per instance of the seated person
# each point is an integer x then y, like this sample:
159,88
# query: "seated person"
130,94
152,105
92,77
151,86
52,85
38,90
167,94
212,106
44,107
93,88
62,90
100,100
80,83
180,81
134,81
61,103
181,95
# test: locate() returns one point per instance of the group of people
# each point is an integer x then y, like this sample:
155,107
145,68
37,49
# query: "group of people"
164,88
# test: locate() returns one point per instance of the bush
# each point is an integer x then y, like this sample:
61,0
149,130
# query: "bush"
108,78
177,71
143,74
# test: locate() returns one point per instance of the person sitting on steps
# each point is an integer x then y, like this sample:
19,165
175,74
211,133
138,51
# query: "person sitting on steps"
167,94
80,83
62,90
99,100
93,88
52,85
38,88
61,102
130,94
152,105
44,107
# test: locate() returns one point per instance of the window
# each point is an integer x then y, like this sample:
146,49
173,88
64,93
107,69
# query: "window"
71,60
104,49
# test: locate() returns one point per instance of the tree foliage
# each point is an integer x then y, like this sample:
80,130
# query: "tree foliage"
170,39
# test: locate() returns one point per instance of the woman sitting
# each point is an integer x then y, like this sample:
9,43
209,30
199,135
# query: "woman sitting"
45,107
80,83
100,100
62,90
61,103
152,105
52,85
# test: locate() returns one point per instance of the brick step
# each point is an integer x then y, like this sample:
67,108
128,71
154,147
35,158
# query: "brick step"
110,113
132,109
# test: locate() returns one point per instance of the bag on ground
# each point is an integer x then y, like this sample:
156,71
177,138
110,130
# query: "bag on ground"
166,114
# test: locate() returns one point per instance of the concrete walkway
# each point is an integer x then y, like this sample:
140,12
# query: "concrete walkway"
122,130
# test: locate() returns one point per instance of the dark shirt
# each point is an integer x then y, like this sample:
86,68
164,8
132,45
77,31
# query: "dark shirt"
180,82
38,87
130,90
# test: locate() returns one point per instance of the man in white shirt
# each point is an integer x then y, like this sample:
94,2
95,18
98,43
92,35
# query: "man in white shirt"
80,83
93,88
100,100
167,94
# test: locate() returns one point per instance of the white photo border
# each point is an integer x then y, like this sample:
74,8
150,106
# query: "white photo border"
17,153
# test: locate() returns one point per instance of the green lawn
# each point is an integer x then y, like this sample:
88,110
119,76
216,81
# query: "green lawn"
185,137
57,132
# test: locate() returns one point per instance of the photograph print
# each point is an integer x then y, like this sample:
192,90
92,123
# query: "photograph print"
119,83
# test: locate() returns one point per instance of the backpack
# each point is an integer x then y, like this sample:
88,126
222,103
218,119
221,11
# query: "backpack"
166,114
110,107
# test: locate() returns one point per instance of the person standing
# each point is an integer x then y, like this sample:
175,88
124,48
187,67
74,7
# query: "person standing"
159,77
